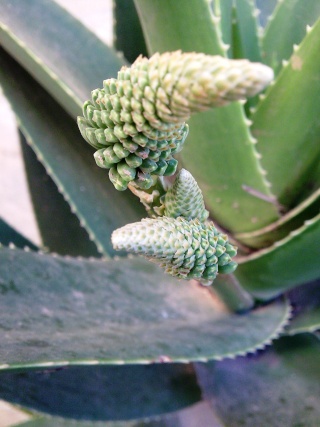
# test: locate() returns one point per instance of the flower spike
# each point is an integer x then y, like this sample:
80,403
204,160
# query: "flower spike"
185,249
137,121
185,198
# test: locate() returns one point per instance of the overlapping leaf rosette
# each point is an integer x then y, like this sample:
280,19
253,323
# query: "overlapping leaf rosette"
137,123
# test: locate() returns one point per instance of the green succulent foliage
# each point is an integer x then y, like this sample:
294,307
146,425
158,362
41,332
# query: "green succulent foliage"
75,311
279,387
272,202
61,311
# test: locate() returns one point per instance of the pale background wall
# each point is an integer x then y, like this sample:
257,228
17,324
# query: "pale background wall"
97,16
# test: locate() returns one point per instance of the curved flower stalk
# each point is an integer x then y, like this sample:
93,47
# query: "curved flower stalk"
137,121
185,249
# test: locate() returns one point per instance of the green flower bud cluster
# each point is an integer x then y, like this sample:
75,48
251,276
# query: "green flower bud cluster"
137,121
185,198
186,249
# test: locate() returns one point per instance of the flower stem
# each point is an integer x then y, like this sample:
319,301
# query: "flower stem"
229,290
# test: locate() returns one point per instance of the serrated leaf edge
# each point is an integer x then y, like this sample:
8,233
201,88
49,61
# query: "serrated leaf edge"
39,62
216,22
92,236
285,64
119,362
302,330
252,141
283,220
295,49
60,363
279,243
263,97
270,19
258,156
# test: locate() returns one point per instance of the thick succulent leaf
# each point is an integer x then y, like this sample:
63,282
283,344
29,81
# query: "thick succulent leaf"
316,334
286,122
46,421
128,35
239,28
223,10
265,10
68,159
48,203
313,184
245,31
198,415
279,387
245,38
59,52
306,304
103,392
166,26
287,27
306,322
58,311
10,235
288,263
234,163
281,228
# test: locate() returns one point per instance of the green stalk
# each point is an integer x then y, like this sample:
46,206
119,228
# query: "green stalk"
228,289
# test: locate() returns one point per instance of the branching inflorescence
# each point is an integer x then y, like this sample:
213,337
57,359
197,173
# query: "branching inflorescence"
137,123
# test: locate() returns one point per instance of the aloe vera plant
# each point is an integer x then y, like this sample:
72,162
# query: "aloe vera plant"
218,185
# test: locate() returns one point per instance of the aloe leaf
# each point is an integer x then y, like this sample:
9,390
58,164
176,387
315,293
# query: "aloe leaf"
128,35
286,122
223,132
306,322
245,39
306,303
48,203
10,235
316,334
279,229
104,392
265,10
45,421
313,182
245,31
77,311
287,27
65,57
277,388
288,263
200,414
55,138
223,10
239,29
166,23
